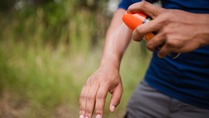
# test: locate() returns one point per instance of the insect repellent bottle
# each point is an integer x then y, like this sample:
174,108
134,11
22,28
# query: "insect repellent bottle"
132,20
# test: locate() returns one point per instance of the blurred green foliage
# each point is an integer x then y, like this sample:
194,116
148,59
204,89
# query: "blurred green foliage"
48,48
61,20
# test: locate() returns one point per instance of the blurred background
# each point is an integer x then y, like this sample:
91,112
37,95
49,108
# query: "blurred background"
48,48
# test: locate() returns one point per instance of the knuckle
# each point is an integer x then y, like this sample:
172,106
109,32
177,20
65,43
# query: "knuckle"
139,31
100,96
99,110
166,32
176,44
173,43
165,17
91,80
143,4
106,84
167,13
90,98
82,96
164,20
169,42
150,46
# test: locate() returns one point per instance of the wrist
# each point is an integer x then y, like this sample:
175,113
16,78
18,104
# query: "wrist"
111,61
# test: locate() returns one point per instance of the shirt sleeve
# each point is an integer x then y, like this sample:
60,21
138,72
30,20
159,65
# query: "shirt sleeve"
124,4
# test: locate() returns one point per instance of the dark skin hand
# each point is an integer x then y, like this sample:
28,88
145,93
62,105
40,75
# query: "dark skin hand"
177,31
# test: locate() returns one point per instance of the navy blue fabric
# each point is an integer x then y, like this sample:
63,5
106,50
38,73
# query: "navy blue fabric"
126,3
187,77
195,6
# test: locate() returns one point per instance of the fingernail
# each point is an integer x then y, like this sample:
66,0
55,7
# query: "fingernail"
98,116
112,108
81,116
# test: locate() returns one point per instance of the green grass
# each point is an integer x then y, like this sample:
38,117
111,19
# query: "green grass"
46,79
46,57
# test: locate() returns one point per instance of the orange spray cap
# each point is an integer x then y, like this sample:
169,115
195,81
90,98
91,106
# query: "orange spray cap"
132,20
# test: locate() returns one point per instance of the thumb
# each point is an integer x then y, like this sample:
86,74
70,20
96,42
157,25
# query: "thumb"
151,10
116,96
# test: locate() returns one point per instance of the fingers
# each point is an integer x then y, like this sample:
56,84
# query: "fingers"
168,50
93,96
160,43
100,100
156,42
137,35
94,93
116,96
87,98
151,26
145,28
83,101
90,100
147,8
163,52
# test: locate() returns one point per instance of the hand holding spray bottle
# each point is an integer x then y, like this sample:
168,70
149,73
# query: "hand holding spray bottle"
132,20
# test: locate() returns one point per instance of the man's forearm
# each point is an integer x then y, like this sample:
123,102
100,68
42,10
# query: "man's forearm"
106,78
117,39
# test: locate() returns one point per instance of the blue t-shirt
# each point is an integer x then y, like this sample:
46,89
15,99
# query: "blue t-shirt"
187,77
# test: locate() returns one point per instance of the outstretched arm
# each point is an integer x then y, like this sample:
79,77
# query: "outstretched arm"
106,78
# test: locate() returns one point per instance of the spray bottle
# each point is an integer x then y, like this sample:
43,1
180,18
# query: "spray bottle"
132,20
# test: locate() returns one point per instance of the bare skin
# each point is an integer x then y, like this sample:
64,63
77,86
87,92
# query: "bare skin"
106,78
178,31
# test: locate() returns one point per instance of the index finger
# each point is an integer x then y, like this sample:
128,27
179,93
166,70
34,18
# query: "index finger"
151,26
151,10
